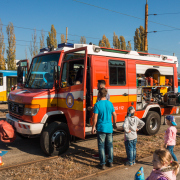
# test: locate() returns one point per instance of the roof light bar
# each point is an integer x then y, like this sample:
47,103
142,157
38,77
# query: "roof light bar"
65,45
44,49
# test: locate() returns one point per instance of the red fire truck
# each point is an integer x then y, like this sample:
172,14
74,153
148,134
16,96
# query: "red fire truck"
62,83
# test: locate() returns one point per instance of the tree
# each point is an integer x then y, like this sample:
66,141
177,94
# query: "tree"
26,52
122,42
42,45
2,49
33,45
51,39
128,47
104,42
11,49
82,40
116,42
139,39
63,40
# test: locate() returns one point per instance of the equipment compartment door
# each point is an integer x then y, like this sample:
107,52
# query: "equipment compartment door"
72,97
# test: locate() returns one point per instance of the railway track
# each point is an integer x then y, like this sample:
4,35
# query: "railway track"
47,158
78,151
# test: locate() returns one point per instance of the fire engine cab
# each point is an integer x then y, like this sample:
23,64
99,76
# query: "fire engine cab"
62,83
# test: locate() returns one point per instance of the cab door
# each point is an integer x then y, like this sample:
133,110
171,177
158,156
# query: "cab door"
72,94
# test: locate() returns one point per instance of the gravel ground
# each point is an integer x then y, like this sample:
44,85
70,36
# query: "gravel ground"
82,163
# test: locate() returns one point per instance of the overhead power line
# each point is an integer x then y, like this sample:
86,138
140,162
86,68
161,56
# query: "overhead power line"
125,14
49,31
164,14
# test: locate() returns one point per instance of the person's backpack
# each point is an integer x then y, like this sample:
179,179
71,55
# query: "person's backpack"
7,133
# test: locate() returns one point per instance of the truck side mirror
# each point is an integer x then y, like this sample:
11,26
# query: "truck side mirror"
20,74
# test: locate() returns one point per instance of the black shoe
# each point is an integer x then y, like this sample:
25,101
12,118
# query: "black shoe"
102,166
110,164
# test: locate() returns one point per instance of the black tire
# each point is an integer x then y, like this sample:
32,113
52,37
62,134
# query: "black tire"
152,123
55,138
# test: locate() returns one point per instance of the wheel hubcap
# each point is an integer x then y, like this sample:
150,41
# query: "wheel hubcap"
153,124
58,139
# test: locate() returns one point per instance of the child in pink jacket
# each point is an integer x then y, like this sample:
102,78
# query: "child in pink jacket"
170,135
163,167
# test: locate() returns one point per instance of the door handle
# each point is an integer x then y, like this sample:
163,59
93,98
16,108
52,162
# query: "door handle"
125,94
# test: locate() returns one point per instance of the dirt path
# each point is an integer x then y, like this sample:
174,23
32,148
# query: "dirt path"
76,165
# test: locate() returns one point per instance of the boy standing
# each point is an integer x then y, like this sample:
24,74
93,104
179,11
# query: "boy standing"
132,124
103,111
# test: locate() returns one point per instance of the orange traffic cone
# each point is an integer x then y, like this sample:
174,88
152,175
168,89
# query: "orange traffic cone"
1,163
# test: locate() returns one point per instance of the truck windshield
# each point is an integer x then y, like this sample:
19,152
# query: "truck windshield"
41,72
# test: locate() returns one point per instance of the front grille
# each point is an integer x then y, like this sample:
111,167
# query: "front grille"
16,108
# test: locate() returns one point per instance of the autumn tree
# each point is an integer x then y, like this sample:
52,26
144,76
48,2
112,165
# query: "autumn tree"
82,40
63,40
104,42
11,49
116,42
42,45
33,45
139,39
2,49
122,43
26,53
51,39
128,47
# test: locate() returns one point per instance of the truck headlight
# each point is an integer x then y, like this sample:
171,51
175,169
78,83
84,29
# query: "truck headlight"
31,110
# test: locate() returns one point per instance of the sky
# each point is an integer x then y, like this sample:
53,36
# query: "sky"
92,19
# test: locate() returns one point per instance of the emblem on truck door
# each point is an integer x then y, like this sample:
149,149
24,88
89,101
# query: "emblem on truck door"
69,100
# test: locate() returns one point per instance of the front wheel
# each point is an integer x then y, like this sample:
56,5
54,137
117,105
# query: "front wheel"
55,138
152,123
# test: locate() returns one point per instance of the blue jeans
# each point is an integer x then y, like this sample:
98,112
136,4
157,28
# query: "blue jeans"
102,137
170,148
131,150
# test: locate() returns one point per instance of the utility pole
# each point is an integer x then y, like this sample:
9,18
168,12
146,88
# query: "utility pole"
146,26
66,34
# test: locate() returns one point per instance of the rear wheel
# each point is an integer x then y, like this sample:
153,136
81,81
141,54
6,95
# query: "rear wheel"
152,123
55,138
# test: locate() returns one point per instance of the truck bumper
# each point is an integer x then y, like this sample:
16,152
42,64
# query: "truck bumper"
24,127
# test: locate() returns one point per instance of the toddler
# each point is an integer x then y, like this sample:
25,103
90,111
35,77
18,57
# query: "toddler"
163,167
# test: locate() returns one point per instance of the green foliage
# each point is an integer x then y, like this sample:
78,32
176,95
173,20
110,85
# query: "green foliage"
2,49
11,49
139,39
51,39
104,42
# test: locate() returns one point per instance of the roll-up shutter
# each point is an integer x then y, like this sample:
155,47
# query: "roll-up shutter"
164,70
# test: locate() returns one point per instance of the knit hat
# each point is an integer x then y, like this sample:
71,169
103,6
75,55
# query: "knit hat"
171,119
